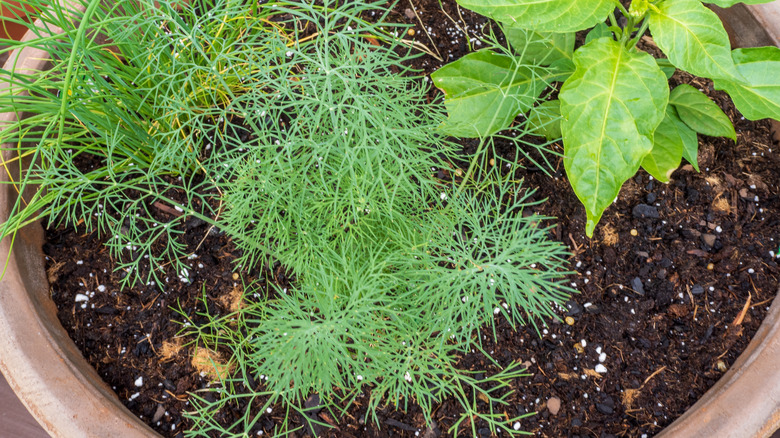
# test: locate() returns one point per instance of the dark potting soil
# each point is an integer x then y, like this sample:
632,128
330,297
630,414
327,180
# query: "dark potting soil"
671,289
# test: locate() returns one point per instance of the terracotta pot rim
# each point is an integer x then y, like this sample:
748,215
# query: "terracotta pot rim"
68,398
40,362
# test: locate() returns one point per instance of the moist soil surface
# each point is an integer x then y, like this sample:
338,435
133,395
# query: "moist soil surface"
672,287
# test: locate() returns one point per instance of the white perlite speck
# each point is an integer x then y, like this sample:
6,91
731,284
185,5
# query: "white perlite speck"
516,426
602,357
601,369
81,298
139,382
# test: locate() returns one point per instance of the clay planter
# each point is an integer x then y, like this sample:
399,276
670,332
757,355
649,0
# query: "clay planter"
11,9
69,399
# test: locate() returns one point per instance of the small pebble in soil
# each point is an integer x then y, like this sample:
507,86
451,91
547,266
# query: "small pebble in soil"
158,414
554,405
644,211
432,431
573,308
604,409
697,289
637,286
607,405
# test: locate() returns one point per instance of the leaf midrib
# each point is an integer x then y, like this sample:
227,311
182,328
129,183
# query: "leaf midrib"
612,86
495,89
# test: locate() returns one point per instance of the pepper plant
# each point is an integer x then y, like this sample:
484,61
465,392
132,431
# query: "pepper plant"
615,111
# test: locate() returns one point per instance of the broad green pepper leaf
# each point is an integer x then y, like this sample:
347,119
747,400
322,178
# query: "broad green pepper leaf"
665,67
670,141
690,143
611,106
693,38
541,48
760,97
544,15
730,3
700,113
601,30
484,92
563,68
545,119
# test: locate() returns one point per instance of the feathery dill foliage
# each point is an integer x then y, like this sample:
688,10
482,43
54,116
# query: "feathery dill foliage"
343,144
134,103
288,127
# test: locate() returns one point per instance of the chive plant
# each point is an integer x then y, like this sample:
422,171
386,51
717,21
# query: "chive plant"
297,129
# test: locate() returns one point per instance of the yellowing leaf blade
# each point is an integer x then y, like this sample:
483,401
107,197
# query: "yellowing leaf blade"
485,91
611,107
759,98
693,38
544,15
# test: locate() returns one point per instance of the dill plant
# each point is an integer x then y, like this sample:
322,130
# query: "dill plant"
134,100
295,128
